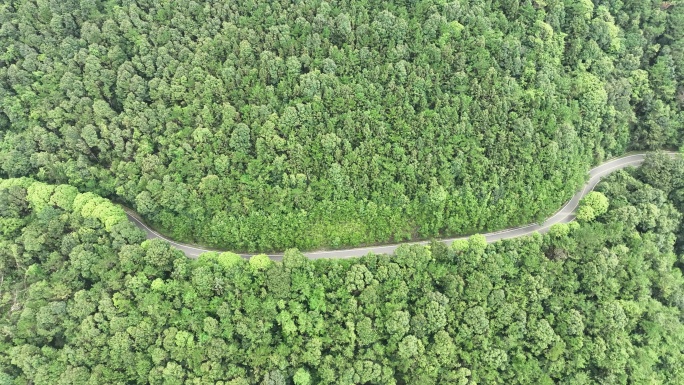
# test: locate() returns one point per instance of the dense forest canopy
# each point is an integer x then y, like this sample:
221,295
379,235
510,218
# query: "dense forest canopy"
85,300
262,125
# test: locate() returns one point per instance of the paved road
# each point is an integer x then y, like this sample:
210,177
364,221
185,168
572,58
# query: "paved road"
566,214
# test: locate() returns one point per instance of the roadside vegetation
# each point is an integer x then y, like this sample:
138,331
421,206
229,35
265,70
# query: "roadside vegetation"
84,299
262,125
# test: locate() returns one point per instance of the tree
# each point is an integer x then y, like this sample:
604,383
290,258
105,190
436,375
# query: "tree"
274,377
459,245
38,194
559,230
64,196
228,260
591,206
260,262
218,135
76,288
302,377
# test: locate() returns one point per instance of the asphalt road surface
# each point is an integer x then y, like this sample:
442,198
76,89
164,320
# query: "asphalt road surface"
565,215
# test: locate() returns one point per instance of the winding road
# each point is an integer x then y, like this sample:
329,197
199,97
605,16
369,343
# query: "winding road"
564,215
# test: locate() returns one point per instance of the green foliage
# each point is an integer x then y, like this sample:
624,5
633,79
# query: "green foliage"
591,206
260,262
459,245
220,122
38,194
302,377
591,302
477,244
586,213
229,260
64,197
559,230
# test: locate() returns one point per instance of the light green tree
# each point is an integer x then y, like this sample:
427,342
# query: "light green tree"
302,377
591,206
260,262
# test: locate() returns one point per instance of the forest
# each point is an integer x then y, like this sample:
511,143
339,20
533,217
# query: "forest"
85,299
265,125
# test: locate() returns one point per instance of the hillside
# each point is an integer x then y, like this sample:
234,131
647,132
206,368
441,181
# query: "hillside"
259,125
84,300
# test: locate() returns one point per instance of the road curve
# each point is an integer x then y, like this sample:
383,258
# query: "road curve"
564,215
